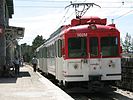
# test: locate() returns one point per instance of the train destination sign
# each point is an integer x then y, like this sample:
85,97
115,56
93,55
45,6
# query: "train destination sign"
81,34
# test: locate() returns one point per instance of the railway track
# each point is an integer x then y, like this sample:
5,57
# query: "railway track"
123,95
82,94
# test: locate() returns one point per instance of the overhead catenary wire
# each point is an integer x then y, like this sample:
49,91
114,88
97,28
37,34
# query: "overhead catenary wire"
104,7
43,0
69,1
71,13
64,16
29,6
123,14
116,9
54,1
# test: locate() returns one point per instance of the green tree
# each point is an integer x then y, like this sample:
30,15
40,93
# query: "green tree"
131,45
26,52
121,41
37,42
127,43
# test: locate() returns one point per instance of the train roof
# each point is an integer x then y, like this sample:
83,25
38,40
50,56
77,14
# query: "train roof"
56,32
94,28
39,48
85,24
91,23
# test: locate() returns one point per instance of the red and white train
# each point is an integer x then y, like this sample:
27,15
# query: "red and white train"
86,51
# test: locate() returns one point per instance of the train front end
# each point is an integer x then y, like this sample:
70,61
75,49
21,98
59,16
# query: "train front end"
92,52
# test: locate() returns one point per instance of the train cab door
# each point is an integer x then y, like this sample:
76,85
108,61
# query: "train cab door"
58,60
94,57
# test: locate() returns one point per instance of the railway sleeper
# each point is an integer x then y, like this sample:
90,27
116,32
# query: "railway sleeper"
97,86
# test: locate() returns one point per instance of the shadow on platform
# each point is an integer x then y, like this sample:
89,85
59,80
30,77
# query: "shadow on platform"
8,80
24,74
14,79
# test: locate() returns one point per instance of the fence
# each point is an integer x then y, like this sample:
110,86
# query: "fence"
127,74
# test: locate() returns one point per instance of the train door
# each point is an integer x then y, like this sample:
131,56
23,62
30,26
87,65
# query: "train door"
77,64
59,59
94,57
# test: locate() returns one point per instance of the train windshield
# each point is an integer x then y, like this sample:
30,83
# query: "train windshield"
77,47
93,46
109,46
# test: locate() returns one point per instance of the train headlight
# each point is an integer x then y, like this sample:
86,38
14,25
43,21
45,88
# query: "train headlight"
111,64
76,66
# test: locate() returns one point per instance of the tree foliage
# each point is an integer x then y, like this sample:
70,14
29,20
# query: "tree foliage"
27,51
128,43
131,45
37,42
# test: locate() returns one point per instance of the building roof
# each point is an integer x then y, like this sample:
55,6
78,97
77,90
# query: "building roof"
10,7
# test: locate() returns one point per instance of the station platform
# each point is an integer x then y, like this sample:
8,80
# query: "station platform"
29,85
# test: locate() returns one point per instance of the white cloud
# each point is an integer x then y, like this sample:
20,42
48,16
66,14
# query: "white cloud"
39,25
47,23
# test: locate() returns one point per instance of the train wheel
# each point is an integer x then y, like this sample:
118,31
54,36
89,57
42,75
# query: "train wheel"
65,83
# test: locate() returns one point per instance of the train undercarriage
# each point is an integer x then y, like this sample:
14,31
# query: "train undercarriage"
92,86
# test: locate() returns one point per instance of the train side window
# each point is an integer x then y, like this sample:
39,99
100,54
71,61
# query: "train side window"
40,52
59,48
52,51
48,53
55,48
93,46
44,52
37,54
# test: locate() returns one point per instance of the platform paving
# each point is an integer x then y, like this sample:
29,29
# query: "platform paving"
29,85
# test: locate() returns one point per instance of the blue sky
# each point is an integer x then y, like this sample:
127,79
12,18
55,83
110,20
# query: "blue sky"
42,17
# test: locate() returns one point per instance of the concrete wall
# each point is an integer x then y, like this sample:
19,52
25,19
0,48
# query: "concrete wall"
2,39
1,13
4,19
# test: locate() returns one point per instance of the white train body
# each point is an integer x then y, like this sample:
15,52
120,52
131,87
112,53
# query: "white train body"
82,53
